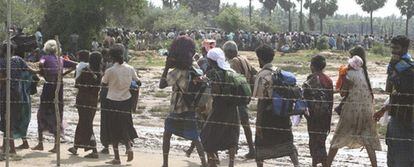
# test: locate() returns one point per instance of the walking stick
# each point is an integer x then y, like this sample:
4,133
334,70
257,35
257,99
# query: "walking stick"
56,101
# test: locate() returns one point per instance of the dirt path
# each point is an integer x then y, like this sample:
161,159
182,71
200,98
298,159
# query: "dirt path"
153,158
153,107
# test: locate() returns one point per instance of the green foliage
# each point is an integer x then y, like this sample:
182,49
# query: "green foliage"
86,18
269,5
231,19
161,94
180,19
371,5
380,49
322,43
286,4
25,14
204,7
323,8
406,7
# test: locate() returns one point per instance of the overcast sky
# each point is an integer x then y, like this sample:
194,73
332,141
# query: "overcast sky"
345,7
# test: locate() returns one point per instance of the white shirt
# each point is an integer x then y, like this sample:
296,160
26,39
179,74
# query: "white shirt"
95,45
81,65
119,78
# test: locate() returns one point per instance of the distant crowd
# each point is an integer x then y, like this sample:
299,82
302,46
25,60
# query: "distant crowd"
248,41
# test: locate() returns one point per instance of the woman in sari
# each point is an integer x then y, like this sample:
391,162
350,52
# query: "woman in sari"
86,101
50,67
356,127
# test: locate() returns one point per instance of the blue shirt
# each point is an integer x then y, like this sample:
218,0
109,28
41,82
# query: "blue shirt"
18,66
402,65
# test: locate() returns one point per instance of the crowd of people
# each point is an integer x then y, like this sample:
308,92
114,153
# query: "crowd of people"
210,97
248,41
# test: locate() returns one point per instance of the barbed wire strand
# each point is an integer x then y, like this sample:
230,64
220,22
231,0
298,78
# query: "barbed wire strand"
230,124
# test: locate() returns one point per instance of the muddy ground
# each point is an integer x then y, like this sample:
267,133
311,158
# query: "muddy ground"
153,107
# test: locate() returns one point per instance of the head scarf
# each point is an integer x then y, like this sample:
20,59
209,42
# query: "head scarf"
356,62
217,55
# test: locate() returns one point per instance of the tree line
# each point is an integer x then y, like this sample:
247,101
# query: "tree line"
88,18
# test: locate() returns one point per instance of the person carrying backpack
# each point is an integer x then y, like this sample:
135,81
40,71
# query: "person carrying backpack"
274,137
242,66
318,90
229,89
400,85
181,120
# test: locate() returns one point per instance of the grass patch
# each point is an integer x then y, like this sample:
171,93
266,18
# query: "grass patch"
159,111
382,130
372,57
252,107
297,69
161,94
148,60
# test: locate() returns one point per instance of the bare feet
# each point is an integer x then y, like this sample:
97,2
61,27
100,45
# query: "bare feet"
23,146
53,150
73,150
114,162
130,154
105,151
250,155
188,153
38,147
92,156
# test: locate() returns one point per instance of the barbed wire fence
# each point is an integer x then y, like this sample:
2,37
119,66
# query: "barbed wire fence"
153,86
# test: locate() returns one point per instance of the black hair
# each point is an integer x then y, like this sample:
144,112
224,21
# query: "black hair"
105,54
117,52
204,51
318,62
401,40
265,53
83,55
230,53
95,61
360,51
182,33
4,49
182,50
